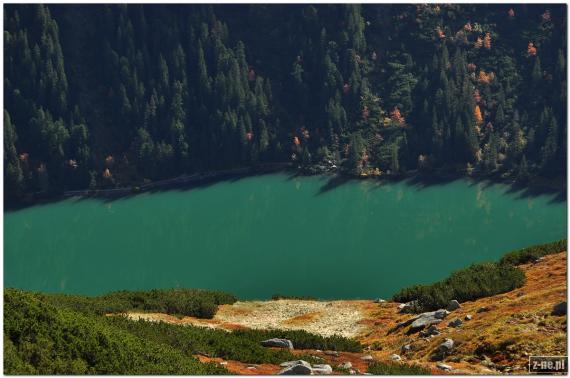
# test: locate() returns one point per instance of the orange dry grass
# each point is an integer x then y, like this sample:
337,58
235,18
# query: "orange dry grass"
518,324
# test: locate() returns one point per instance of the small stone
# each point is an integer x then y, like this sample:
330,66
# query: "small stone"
445,367
468,317
367,358
430,332
560,309
482,309
322,369
345,365
223,363
379,300
455,323
331,353
251,367
453,305
406,348
395,357
447,345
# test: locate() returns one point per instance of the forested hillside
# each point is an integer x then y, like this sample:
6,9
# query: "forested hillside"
99,96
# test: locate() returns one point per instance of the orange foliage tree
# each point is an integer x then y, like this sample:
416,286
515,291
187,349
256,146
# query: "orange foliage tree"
485,78
487,41
397,117
531,50
478,115
478,43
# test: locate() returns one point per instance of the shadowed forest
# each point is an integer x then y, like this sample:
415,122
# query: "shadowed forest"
104,96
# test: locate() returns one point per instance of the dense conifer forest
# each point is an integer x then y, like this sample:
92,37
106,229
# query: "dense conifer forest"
101,96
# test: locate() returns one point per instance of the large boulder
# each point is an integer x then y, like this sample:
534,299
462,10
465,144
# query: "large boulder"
277,343
560,309
322,369
299,367
426,319
453,305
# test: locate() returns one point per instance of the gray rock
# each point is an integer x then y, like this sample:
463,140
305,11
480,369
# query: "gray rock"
277,343
482,309
560,309
322,369
446,346
453,305
251,367
441,314
406,348
468,317
395,357
445,367
455,323
426,319
407,308
345,365
223,363
379,300
431,331
367,358
299,367
333,353
352,372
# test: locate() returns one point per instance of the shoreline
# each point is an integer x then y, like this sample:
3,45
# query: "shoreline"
535,186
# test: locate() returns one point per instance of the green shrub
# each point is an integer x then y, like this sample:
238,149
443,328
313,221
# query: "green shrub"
381,368
190,302
530,254
42,339
476,281
199,340
304,340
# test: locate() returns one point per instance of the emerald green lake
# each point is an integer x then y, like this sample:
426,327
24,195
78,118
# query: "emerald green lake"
263,235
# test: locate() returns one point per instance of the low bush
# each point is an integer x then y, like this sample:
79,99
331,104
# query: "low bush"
190,302
530,254
192,340
304,340
381,368
40,338
476,281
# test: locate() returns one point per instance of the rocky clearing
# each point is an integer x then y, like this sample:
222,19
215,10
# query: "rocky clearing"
499,340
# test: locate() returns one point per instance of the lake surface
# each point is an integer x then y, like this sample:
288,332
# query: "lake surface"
263,235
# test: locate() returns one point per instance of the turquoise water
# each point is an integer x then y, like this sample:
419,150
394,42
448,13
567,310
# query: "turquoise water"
263,235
